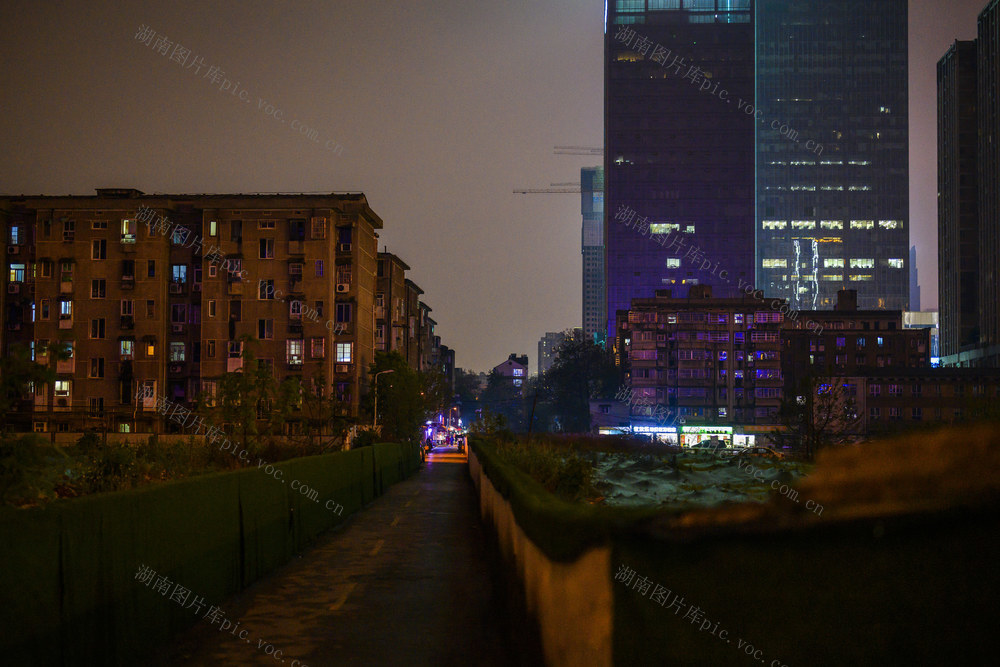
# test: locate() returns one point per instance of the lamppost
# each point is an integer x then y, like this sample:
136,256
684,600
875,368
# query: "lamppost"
375,385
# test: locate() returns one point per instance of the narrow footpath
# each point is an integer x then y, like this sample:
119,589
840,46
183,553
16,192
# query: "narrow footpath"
406,581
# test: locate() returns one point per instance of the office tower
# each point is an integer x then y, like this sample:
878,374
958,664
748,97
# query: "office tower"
988,109
914,280
832,152
958,200
679,146
592,244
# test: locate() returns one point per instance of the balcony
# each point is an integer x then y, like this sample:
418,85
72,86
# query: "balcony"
66,287
296,247
65,322
178,287
66,365
128,282
235,288
234,364
295,364
128,245
127,322
176,368
295,326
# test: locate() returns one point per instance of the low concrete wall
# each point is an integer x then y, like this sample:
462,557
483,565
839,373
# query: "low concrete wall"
570,602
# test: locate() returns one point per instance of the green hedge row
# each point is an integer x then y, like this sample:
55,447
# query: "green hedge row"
68,589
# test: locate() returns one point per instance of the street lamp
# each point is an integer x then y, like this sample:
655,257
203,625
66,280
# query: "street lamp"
375,384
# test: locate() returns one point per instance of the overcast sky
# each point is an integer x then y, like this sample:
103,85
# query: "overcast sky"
441,108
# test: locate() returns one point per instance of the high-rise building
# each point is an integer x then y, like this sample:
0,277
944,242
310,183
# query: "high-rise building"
549,344
958,200
679,146
592,245
969,197
832,152
914,280
988,110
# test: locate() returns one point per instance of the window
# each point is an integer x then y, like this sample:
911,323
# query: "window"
236,230
894,263
266,249
319,228
151,268
236,310
861,341
126,348
150,309
265,289
178,313
319,268
213,270
178,351
775,263
833,263
895,390
235,349
343,235
178,273
128,230
895,413
345,353
97,328
213,227
862,224
211,307
128,269
45,267
874,413
293,351
319,308
265,329
295,271
265,224
210,348
65,309
17,273
98,289
874,390
344,275
66,271
295,310
45,309
99,249
343,312
69,231
673,263
97,367
318,348
63,388
880,340
864,263
917,413
128,307
917,389
15,234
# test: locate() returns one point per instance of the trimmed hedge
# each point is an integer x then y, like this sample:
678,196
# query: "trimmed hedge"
68,593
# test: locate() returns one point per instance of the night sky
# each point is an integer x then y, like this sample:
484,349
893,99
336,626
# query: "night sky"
441,108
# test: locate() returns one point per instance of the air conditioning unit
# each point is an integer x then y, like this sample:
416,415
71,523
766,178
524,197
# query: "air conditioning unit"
343,287
62,402
175,368
13,288
343,368
177,328
345,247
13,249
196,287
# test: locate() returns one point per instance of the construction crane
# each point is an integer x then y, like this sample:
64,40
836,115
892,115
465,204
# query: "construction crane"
562,188
578,150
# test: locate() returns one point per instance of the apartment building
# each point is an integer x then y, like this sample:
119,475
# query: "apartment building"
390,304
162,292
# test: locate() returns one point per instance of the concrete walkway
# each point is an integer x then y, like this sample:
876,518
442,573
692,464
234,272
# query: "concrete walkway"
407,581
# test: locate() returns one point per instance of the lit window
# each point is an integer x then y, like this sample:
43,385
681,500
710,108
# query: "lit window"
126,349
860,278
673,262
518,372
63,387
177,351
293,351
890,224
803,224
178,273
17,273
318,348
833,263
863,263
128,230
344,352
894,263
689,229
150,348
775,263
663,227
775,224
831,224
862,224
213,228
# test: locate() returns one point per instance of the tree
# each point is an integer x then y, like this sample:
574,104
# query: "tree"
403,400
581,371
502,399
820,411
18,373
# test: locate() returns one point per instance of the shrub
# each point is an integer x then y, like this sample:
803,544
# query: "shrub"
564,474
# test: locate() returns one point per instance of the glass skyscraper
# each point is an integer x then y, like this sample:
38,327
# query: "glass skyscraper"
832,152
679,147
592,244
